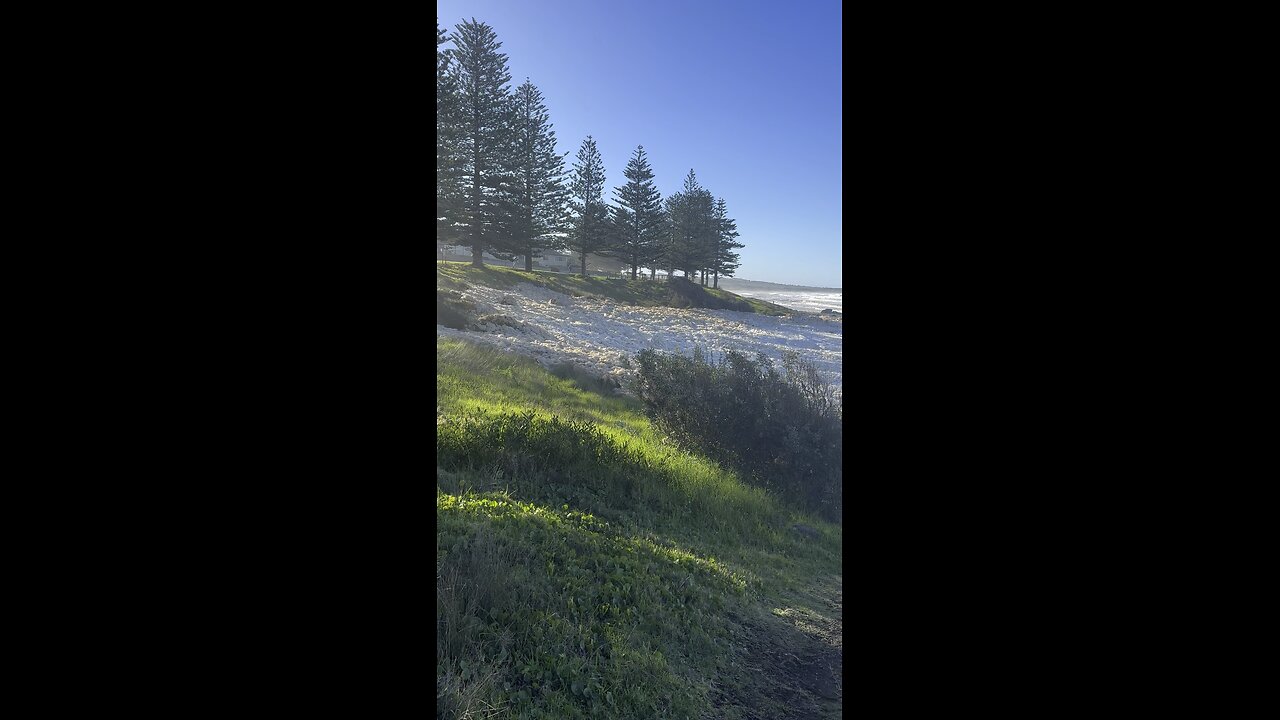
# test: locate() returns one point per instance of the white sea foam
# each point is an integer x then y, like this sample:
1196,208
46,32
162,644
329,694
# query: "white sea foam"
596,334
803,300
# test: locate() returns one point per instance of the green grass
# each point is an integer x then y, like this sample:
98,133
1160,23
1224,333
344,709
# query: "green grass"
642,293
586,568
761,307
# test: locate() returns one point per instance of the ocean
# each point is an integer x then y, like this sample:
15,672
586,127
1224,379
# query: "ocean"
802,300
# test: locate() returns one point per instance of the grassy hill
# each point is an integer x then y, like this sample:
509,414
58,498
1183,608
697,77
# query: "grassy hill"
585,568
678,294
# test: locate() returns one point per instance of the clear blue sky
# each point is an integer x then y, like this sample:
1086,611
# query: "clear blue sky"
746,93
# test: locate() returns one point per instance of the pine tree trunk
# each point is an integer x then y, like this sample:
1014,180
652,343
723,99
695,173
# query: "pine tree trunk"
653,273
477,248
528,262
717,280
584,264
634,268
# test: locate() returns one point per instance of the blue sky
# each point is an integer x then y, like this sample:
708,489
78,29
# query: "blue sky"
746,93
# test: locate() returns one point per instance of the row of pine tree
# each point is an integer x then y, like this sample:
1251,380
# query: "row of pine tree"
502,187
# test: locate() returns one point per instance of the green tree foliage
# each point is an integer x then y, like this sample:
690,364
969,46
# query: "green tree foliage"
501,186
447,157
691,228
725,261
538,195
485,138
702,235
637,217
590,231
668,254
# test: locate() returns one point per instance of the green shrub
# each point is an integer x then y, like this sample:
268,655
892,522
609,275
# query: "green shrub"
779,431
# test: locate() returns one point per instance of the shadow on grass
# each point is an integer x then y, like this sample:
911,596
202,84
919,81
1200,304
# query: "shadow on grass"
585,380
470,376
543,610
550,610
558,461
605,553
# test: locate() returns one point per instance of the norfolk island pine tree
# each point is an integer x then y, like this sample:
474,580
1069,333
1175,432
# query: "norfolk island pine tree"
590,230
484,133
637,216
538,195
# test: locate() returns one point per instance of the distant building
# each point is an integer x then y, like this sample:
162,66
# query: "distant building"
553,261
463,253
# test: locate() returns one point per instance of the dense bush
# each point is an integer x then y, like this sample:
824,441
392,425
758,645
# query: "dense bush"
779,430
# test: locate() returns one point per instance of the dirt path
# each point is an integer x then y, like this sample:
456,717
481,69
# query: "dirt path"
792,661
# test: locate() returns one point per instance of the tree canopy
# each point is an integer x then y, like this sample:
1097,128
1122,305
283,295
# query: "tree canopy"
502,187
